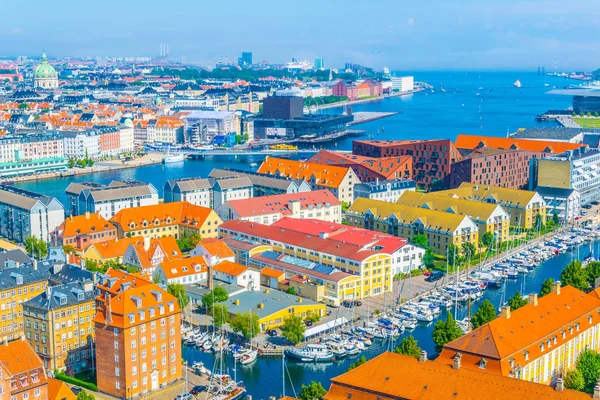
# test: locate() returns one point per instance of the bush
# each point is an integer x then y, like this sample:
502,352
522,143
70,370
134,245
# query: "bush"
74,381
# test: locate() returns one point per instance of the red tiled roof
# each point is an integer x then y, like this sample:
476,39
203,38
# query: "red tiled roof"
280,203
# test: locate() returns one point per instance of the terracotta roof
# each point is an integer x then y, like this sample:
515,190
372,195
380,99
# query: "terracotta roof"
505,339
124,290
271,273
159,215
386,166
184,267
19,357
115,248
280,203
325,175
58,390
84,224
472,142
216,248
230,268
396,376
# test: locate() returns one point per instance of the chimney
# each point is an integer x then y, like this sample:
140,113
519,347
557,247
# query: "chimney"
423,356
556,287
82,263
209,278
505,311
87,215
146,243
560,385
34,264
533,299
294,206
457,358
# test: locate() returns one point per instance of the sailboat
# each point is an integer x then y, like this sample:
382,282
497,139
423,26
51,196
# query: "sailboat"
251,353
517,84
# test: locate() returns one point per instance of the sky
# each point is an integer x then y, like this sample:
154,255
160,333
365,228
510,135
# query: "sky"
399,34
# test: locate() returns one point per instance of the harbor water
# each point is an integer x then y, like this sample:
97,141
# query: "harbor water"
264,378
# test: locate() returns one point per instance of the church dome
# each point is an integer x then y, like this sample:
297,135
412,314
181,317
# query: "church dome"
45,70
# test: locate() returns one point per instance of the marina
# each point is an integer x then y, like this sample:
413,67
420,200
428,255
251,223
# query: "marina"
522,269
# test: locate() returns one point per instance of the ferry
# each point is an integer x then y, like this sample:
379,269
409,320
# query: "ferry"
517,84
283,146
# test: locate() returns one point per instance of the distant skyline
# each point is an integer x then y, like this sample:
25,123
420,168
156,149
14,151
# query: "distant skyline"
437,34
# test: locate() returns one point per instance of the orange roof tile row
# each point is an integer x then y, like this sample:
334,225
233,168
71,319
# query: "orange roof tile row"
85,224
325,175
184,267
216,248
230,268
472,142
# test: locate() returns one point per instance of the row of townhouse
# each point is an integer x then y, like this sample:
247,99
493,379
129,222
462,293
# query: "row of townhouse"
99,142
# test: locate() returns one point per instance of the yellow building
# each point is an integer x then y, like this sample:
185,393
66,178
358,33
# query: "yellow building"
59,325
488,217
366,270
521,205
272,307
18,285
441,228
177,219
566,323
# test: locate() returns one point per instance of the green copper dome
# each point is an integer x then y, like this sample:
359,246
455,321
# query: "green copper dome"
45,70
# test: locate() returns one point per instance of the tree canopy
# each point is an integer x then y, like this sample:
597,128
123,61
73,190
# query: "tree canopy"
487,239
217,295
546,287
485,313
409,347
362,360
574,275
588,363
419,240
247,324
445,331
220,314
428,258
36,247
574,380
178,290
517,301
314,390
293,329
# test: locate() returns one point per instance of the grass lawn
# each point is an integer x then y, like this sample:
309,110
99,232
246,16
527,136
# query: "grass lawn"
588,122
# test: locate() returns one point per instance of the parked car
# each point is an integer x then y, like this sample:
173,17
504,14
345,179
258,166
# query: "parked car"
435,276
352,303
308,323
185,396
76,390
271,332
596,202
587,206
197,389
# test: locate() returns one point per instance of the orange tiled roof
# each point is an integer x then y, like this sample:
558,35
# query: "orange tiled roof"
18,357
124,290
230,268
159,215
505,339
472,142
396,376
184,267
273,273
325,175
84,224
58,390
115,248
386,166
216,248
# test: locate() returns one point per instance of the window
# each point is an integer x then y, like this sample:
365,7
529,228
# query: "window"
116,344
133,371
117,372
117,385
116,358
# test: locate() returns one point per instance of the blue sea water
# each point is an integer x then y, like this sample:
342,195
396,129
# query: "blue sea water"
483,103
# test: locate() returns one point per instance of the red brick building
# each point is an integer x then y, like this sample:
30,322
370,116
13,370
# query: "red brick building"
506,168
110,141
368,169
431,159
343,88
22,374
138,336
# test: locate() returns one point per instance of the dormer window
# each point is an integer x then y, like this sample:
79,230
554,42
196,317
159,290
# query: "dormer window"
542,347
137,300
590,319
131,318
554,340
482,363
570,330
24,381
80,296
157,295
511,362
564,334
526,355
577,327
35,377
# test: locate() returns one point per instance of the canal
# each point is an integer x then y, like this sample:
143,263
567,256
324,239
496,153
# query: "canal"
265,377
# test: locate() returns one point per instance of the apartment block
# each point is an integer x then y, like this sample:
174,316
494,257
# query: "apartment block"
138,336
22,374
83,230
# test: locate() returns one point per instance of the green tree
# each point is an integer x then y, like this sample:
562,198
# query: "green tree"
487,239
93,266
419,240
593,272
314,390
68,249
453,255
445,332
246,324
345,206
36,247
220,314
588,363
546,287
362,360
293,329
539,222
428,258
178,290
83,395
517,301
485,313
291,291
23,106
574,275
409,347
555,219
468,249
71,162
217,295
574,380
